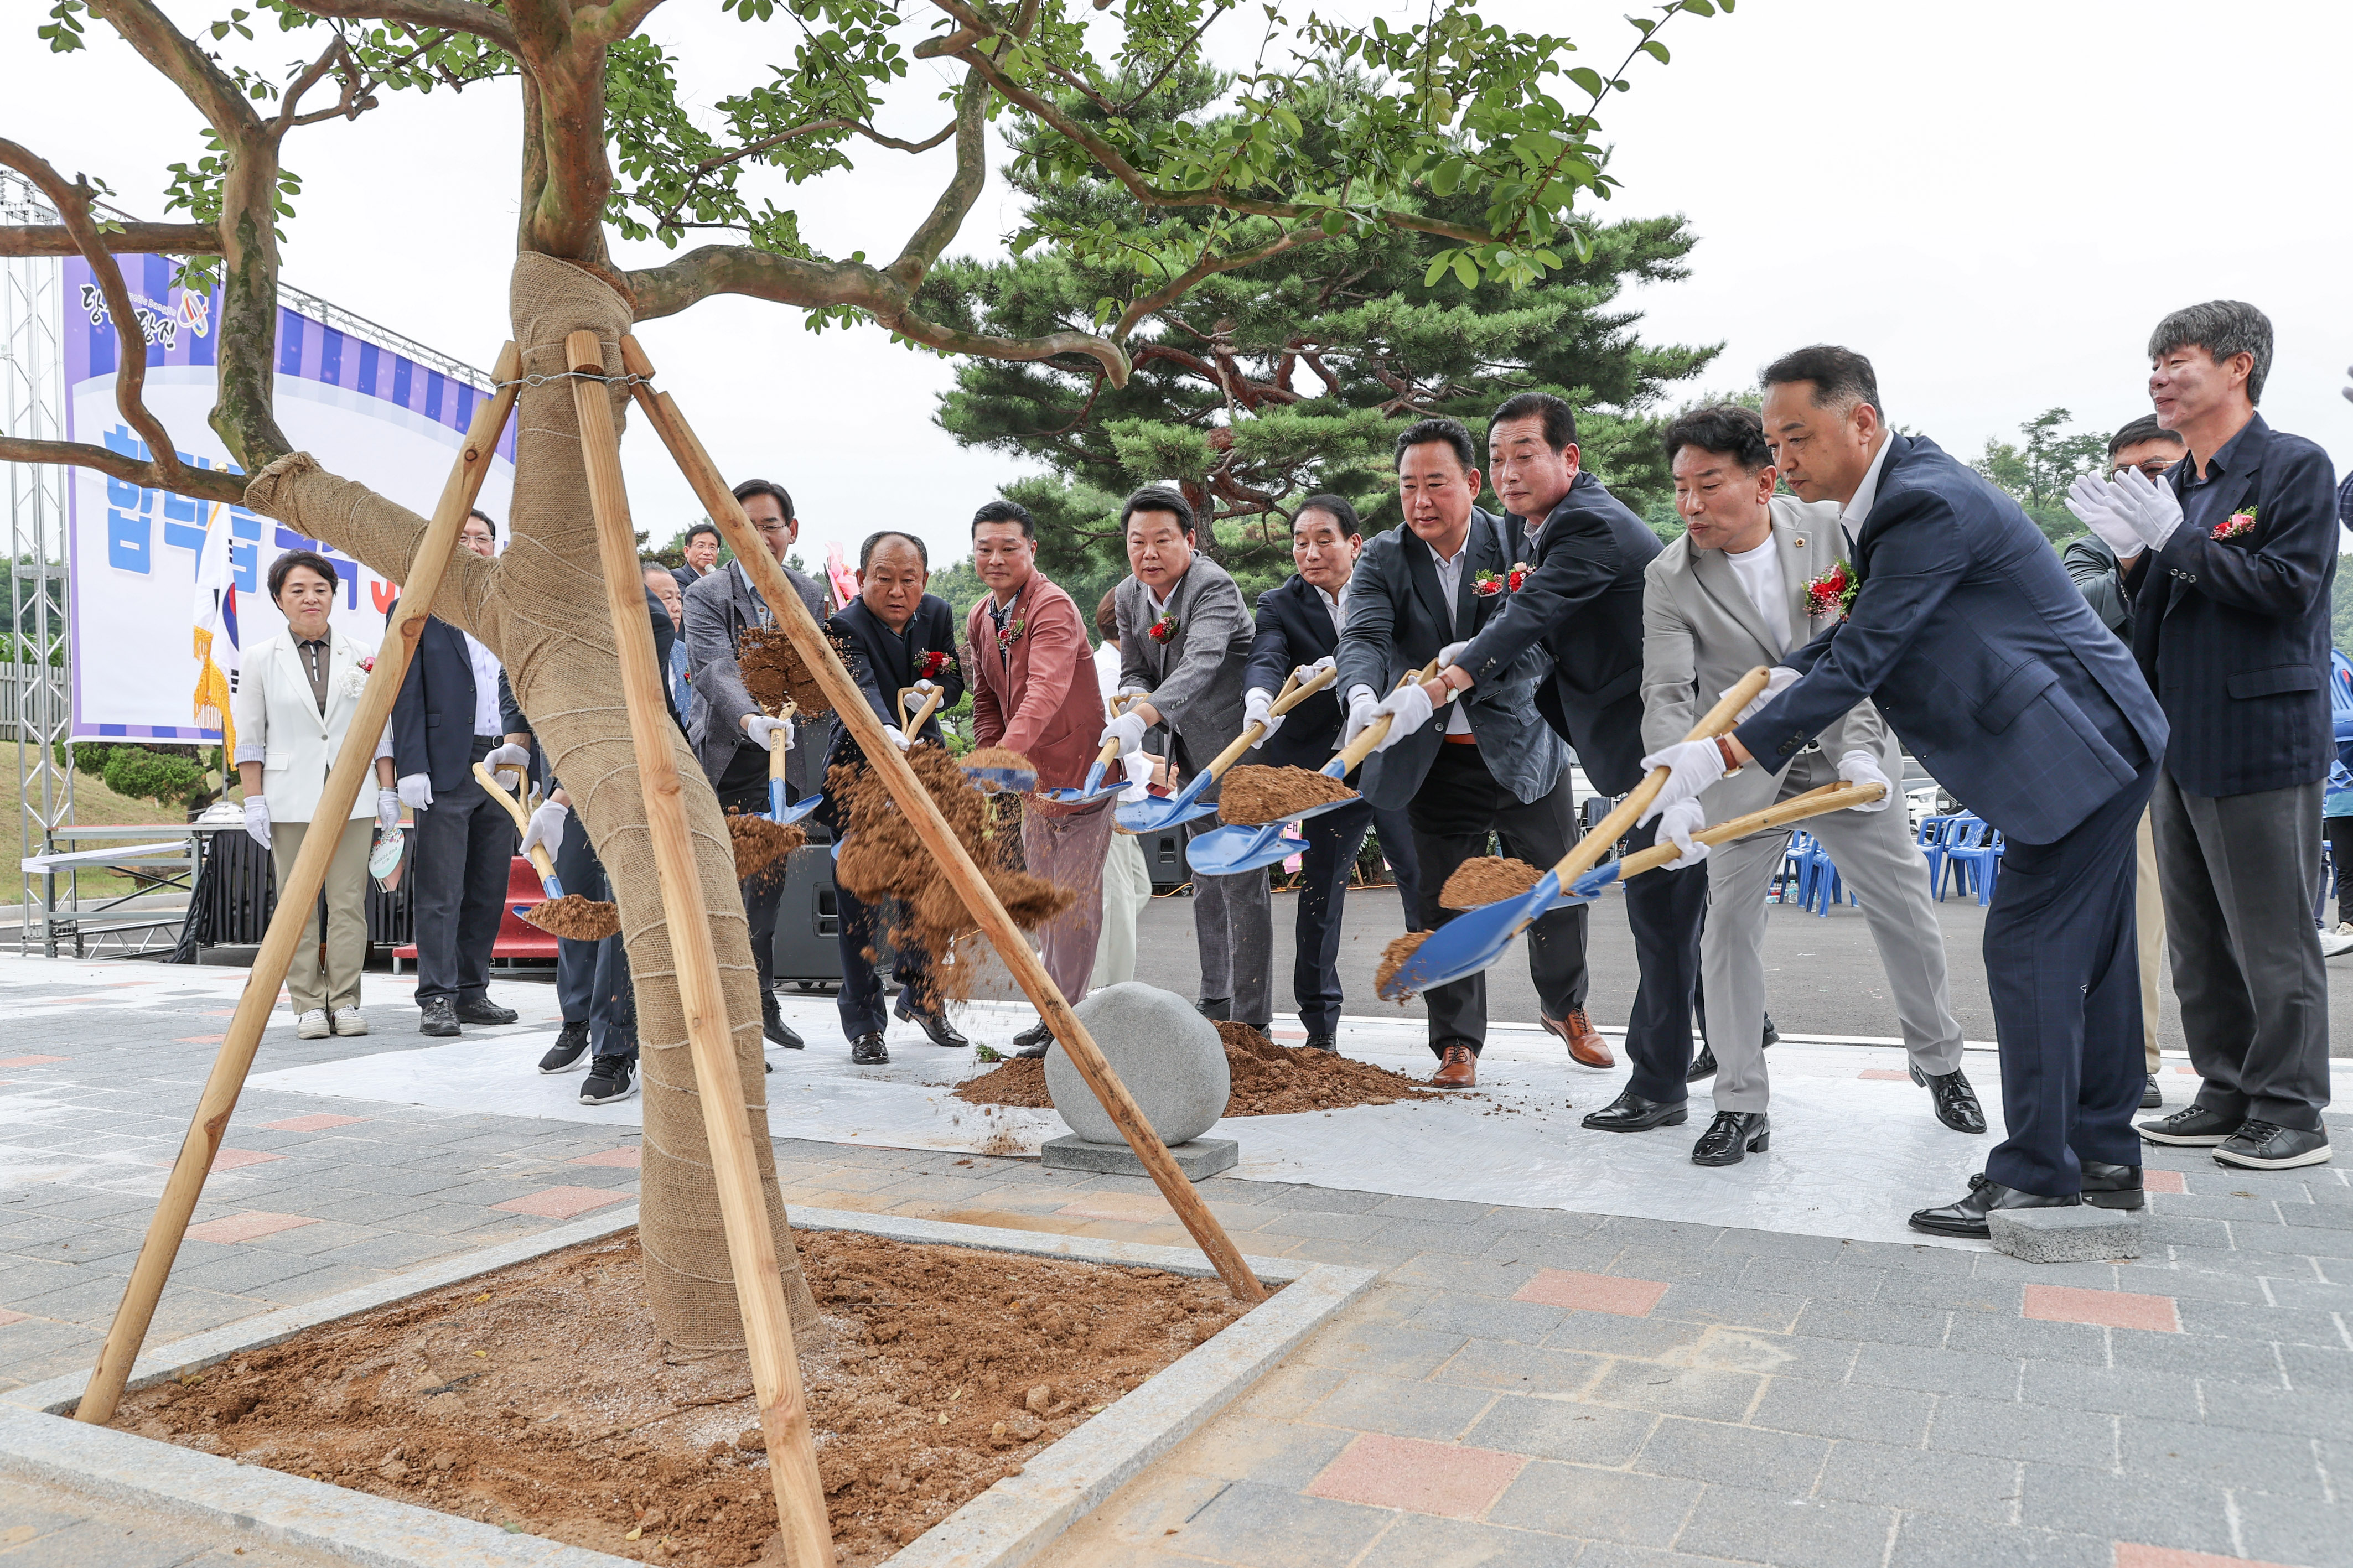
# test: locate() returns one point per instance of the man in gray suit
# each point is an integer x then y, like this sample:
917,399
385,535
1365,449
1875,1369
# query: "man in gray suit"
1185,639
733,734
1731,595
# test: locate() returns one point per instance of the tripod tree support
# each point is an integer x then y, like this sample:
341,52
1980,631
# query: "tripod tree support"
296,897
850,705
727,1125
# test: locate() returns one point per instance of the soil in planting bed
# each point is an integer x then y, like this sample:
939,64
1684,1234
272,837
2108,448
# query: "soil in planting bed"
1267,1079
1254,796
537,1398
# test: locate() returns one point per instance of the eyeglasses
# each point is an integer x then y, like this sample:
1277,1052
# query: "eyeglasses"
2154,467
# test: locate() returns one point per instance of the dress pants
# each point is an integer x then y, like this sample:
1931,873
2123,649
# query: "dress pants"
764,892
2063,967
592,978
1069,850
1234,927
1395,825
1333,840
1457,807
1880,862
2242,873
861,1001
1126,891
2148,920
1665,911
465,851
336,984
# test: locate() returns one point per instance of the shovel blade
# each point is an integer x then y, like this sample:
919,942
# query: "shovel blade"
1151,815
799,809
1003,781
1230,851
1471,942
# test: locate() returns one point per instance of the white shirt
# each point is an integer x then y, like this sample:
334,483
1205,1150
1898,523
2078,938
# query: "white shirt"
1107,671
1336,605
1139,765
1450,586
1866,495
486,688
1759,571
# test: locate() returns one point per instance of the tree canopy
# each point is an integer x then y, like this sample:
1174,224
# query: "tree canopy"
2037,468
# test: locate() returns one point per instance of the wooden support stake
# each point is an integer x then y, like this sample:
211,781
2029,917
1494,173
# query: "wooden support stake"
296,897
923,815
718,1080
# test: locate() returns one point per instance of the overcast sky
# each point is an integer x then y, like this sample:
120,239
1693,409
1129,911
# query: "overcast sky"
1996,202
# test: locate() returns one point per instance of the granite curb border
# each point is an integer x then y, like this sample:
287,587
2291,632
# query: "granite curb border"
1001,1528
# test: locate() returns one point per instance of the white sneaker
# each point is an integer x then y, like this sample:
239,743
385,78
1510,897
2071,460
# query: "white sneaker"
2333,942
312,1025
348,1021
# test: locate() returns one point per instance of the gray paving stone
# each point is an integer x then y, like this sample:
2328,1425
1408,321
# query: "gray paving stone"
1712,1450
2264,1325
248,1275
1394,1349
1252,1523
1748,1525
1873,1321
1476,1275
2184,1355
1490,1317
2308,1366
1444,1236
1584,1254
1437,1411
2301,1412
1939,1541
1729,1306
1448,1210
2124,1391
1607,1334
1563,1429
1520,1369
1935,1371
2185,1452
1328,1200
2008,1430
1599,1505
1983,1333
1897,1415
2293,1530
1414,1542
1676,1391
1897,1255
1781,1244
2179,1516
1310,1222
1547,1222
1969,1485
1661,1235
1828,1280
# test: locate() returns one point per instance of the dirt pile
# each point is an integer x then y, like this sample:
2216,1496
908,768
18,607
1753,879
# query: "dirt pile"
1269,1079
1393,958
576,919
1485,879
1254,796
760,843
537,1398
773,672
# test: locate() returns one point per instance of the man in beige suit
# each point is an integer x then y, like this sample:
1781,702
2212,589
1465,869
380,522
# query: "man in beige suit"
1731,595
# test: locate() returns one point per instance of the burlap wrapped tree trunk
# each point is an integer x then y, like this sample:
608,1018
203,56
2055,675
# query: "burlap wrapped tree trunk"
541,608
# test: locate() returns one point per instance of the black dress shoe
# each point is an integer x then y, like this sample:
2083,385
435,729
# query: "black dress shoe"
2152,1098
868,1050
439,1018
1703,1064
1629,1113
2112,1186
935,1024
1323,1042
1956,1101
1217,1009
1772,1035
1732,1137
1033,1042
2195,1126
482,1010
1968,1217
774,1028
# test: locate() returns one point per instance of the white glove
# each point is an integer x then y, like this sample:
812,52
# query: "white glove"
1307,673
1676,825
1408,709
1451,654
1140,766
387,808
1692,766
891,732
2152,509
769,733
417,792
545,829
1362,705
1778,679
1257,709
2094,501
257,819
924,687
508,756
1128,695
1862,768
1127,729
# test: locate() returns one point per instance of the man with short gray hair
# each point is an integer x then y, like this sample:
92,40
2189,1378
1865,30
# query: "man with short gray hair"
2230,561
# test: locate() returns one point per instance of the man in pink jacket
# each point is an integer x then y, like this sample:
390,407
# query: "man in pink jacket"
1034,691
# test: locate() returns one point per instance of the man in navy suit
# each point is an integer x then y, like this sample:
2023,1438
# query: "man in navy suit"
1968,636
446,720
1298,628
895,636
2229,561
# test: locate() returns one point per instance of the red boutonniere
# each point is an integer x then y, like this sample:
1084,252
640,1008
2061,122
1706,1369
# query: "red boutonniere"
1164,629
2231,527
1487,584
1517,575
1832,594
1009,634
935,662
367,663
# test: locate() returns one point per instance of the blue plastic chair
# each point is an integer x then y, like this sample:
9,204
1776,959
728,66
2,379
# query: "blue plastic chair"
1976,859
1964,836
1936,833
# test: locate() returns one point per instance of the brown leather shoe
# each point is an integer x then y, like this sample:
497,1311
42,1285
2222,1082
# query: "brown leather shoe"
1585,1048
1457,1069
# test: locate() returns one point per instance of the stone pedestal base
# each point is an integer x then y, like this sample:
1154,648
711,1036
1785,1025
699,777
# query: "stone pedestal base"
2083,1234
1201,1157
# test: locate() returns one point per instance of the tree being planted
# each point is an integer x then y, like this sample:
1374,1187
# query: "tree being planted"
1454,136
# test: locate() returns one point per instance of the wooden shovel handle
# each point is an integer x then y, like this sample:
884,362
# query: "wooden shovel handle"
1356,750
1797,808
1588,851
1293,694
539,861
922,713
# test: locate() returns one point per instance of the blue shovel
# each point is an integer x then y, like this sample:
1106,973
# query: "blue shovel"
1475,939
1094,789
1186,804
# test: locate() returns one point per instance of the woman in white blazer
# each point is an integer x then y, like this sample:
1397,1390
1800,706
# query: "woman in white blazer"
295,699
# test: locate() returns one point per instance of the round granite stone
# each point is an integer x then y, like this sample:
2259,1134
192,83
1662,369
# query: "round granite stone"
1168,1055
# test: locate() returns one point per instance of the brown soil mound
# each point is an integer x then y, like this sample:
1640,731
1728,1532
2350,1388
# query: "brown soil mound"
576,919
1255,796
537,1398
1267,1079
1486,880
774,673
760,843
882,858
1393,958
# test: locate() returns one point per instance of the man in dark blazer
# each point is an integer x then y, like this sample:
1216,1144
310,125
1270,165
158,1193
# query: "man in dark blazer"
446,720
1298,629
702,552
1966,634
733,734
2231,562
895,636
1581,604
1491,764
